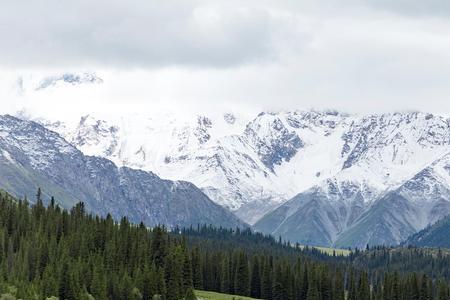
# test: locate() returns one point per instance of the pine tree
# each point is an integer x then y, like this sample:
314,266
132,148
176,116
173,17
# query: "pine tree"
363,292
38,208
424,292
225,276
395,287
255,282
126,287
443,292
305,284
313,292
148,287
174,276
159,247
197,270
98,284
266,281
160,284
413,289
338,286
49,282
278,288
352,293
242,280
325,285
187,272
68,286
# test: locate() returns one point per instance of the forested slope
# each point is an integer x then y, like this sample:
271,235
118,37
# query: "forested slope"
48,251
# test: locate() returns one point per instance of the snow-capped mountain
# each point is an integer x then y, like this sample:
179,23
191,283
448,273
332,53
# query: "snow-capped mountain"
393,183
340,166
249,166
34,83
69,78
32,156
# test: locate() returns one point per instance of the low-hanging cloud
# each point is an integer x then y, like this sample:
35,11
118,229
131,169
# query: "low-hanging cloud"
353,55
135,33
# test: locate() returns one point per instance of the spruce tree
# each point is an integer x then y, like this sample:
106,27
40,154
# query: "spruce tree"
197,270
266,281
174,276
363,292
352,292
278,288
242,280
159,247
325,285
98,284
187,272
338,286
225,275
255,282
424,292
396,293
443,292
313,292
149,283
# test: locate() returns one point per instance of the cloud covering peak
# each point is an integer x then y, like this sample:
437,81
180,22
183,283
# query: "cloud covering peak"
351,55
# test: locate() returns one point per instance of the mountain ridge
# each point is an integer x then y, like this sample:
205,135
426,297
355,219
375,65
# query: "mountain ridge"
393,216
31,156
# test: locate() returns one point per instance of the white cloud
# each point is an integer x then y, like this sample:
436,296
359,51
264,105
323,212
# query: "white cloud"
135,33
353,55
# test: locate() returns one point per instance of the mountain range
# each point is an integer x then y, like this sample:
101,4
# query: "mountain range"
317,177
32,156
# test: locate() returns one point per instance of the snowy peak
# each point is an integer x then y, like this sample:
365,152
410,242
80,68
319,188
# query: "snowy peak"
43,146
36,83
398,136
326,120
272,140
96,135
201,131
69,79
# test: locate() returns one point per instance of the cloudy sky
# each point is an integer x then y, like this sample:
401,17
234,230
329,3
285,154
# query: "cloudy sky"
352,55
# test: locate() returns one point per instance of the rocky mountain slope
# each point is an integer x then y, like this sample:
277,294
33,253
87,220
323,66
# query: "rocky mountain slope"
32,156
435,236
361,206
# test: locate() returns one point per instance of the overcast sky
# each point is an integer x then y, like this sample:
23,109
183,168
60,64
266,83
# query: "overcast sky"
351,55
